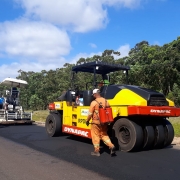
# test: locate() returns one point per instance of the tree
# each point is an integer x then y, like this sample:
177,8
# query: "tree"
152,66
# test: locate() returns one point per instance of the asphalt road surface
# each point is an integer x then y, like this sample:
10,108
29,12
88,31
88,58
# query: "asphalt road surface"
27,153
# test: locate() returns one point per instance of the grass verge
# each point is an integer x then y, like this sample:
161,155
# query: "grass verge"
41,116
176,125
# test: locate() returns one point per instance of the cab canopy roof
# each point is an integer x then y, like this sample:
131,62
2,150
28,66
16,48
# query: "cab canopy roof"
99,67
13,82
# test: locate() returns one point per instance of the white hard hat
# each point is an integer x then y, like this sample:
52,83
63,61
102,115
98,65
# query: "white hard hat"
95,91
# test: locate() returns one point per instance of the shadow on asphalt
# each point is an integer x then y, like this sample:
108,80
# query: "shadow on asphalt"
76,150
103,147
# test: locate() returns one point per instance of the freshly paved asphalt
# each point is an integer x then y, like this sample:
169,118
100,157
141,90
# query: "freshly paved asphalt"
27,153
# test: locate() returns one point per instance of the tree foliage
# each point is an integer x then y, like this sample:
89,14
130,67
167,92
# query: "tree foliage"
152,66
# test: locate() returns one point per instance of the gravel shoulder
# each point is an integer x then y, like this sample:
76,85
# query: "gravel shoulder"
176,141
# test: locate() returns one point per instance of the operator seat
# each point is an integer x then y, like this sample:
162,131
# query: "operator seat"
62,97
87,97
15,96
104,90
70,97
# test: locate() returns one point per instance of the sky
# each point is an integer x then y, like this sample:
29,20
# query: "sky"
38,35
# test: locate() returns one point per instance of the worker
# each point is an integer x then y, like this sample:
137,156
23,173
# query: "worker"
105,80
98,130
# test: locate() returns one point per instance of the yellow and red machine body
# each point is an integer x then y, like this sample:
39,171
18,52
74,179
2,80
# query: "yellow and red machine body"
138,115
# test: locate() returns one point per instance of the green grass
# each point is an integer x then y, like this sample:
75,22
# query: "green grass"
176,124
41,116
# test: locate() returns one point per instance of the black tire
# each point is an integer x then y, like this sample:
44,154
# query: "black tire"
169,133
129,135
159,136
149,137
53,125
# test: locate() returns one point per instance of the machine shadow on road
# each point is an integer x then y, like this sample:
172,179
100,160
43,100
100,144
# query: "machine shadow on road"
76,150
103,147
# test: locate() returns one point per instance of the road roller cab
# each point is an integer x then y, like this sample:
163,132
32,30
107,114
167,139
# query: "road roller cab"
140,114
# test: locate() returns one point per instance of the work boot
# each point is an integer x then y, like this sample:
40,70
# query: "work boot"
113,151
95,153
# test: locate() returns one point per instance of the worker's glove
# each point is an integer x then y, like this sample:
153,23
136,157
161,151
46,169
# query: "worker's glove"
87,123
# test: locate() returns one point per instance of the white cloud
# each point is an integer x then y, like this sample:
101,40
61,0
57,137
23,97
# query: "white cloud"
124,50
83,55
123,3
75,15
79,15
156,43
93,45
33,40
40,40
11,70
